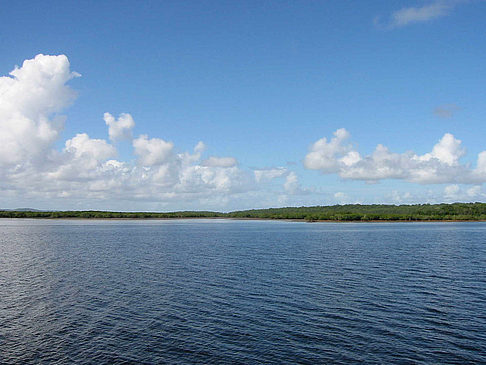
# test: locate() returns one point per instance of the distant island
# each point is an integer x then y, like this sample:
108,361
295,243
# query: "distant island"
334,213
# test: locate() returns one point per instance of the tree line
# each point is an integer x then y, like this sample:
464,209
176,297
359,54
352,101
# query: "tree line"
349,212
375,212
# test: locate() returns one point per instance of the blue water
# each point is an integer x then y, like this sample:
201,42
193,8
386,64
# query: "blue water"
241,292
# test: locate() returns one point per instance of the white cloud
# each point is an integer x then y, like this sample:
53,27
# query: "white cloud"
456,193
323,155
262,175
220,162
82,158
154,151
481,165
85,172
341,197
474,192
29,102
291,184
200,147
447,151
450,191
119,129
401,198
427,12
431,10
441,165
84,147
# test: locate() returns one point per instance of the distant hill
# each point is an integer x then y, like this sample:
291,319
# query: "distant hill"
350,212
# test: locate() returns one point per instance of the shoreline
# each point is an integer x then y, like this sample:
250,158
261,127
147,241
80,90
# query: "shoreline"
372,213
250,219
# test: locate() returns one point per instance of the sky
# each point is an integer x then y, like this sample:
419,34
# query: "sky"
228,105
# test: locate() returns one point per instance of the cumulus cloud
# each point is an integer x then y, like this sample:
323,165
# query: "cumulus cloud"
481,165
262,175
30,100
327,156
291,184
411,15
220,162
86,169
451,191
447,151
441,165
119,129
93,149
456,193
200,147
153,151
82,159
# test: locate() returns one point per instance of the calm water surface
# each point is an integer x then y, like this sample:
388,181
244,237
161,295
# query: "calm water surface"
248,292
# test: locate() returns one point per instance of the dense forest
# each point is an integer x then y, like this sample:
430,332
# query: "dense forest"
357,212
351,212
97,214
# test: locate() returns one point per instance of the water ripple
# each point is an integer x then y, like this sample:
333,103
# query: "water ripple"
186,292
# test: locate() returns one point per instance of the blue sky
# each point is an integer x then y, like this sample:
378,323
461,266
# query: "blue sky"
256,81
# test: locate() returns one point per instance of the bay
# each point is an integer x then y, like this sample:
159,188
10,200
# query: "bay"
241,292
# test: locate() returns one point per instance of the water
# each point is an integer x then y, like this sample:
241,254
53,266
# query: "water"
248,292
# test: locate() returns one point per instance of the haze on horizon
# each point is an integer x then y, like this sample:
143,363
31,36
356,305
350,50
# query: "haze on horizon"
144,106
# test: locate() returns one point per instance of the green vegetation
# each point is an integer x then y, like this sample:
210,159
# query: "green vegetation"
95,214
375,212
355,212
